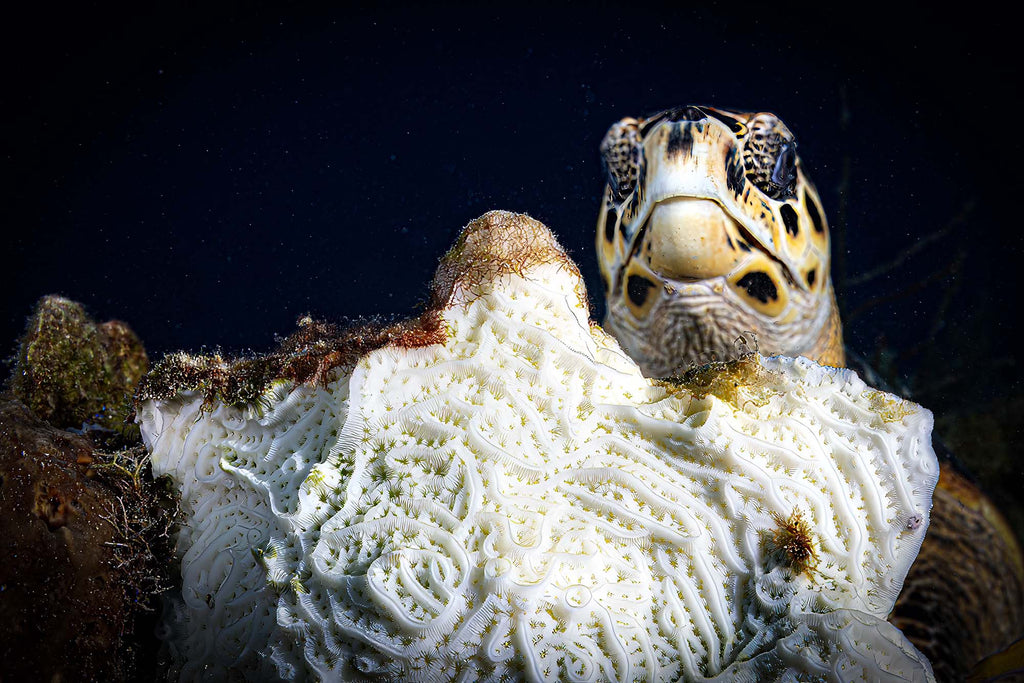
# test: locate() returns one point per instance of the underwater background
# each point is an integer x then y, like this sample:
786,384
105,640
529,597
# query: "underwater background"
210,174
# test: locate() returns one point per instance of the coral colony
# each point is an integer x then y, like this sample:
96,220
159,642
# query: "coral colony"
499,493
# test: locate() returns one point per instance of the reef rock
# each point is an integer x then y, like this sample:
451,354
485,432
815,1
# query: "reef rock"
497,492
64,604
85,532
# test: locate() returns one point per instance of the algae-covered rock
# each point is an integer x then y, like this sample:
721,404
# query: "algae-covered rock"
84,530
72,371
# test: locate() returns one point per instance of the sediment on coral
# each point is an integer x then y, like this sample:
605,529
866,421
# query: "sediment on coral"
734,381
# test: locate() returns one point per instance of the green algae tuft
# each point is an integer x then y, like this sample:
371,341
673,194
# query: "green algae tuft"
74,372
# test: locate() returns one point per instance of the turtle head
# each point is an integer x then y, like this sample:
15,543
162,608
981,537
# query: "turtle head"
710,228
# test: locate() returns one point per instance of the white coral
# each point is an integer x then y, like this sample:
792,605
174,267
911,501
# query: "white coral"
522,503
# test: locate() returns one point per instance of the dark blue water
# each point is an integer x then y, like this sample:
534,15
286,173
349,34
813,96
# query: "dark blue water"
210,176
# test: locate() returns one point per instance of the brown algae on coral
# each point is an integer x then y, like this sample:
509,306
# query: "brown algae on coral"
792,544
738,382
497,244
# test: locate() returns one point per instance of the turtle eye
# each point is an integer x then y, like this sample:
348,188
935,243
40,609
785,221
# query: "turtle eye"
783,179
620,156
772,168
769,158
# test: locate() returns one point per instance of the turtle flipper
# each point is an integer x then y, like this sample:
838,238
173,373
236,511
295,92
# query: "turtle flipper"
963,598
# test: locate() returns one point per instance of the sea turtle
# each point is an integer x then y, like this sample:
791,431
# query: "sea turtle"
711,229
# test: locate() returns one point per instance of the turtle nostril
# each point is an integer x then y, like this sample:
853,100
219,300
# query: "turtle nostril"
688,113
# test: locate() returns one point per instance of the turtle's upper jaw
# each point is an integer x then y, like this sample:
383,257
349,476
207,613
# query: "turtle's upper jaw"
691,239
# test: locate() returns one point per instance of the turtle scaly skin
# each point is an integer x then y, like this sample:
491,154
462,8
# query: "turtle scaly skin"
710,229
963,599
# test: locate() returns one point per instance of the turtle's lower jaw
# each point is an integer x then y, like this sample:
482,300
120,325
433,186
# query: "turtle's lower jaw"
691,239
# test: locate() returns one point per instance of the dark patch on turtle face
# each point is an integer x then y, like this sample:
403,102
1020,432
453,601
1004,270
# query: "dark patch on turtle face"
811,277
641,175
734,125
814,211
734,175
604,282
743,245
680,140
609,225
638,288
760,286
687,113
790,219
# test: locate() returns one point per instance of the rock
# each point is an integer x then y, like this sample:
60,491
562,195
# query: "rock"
62,606
84,531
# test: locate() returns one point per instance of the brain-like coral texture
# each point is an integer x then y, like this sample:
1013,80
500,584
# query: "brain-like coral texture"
520,503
